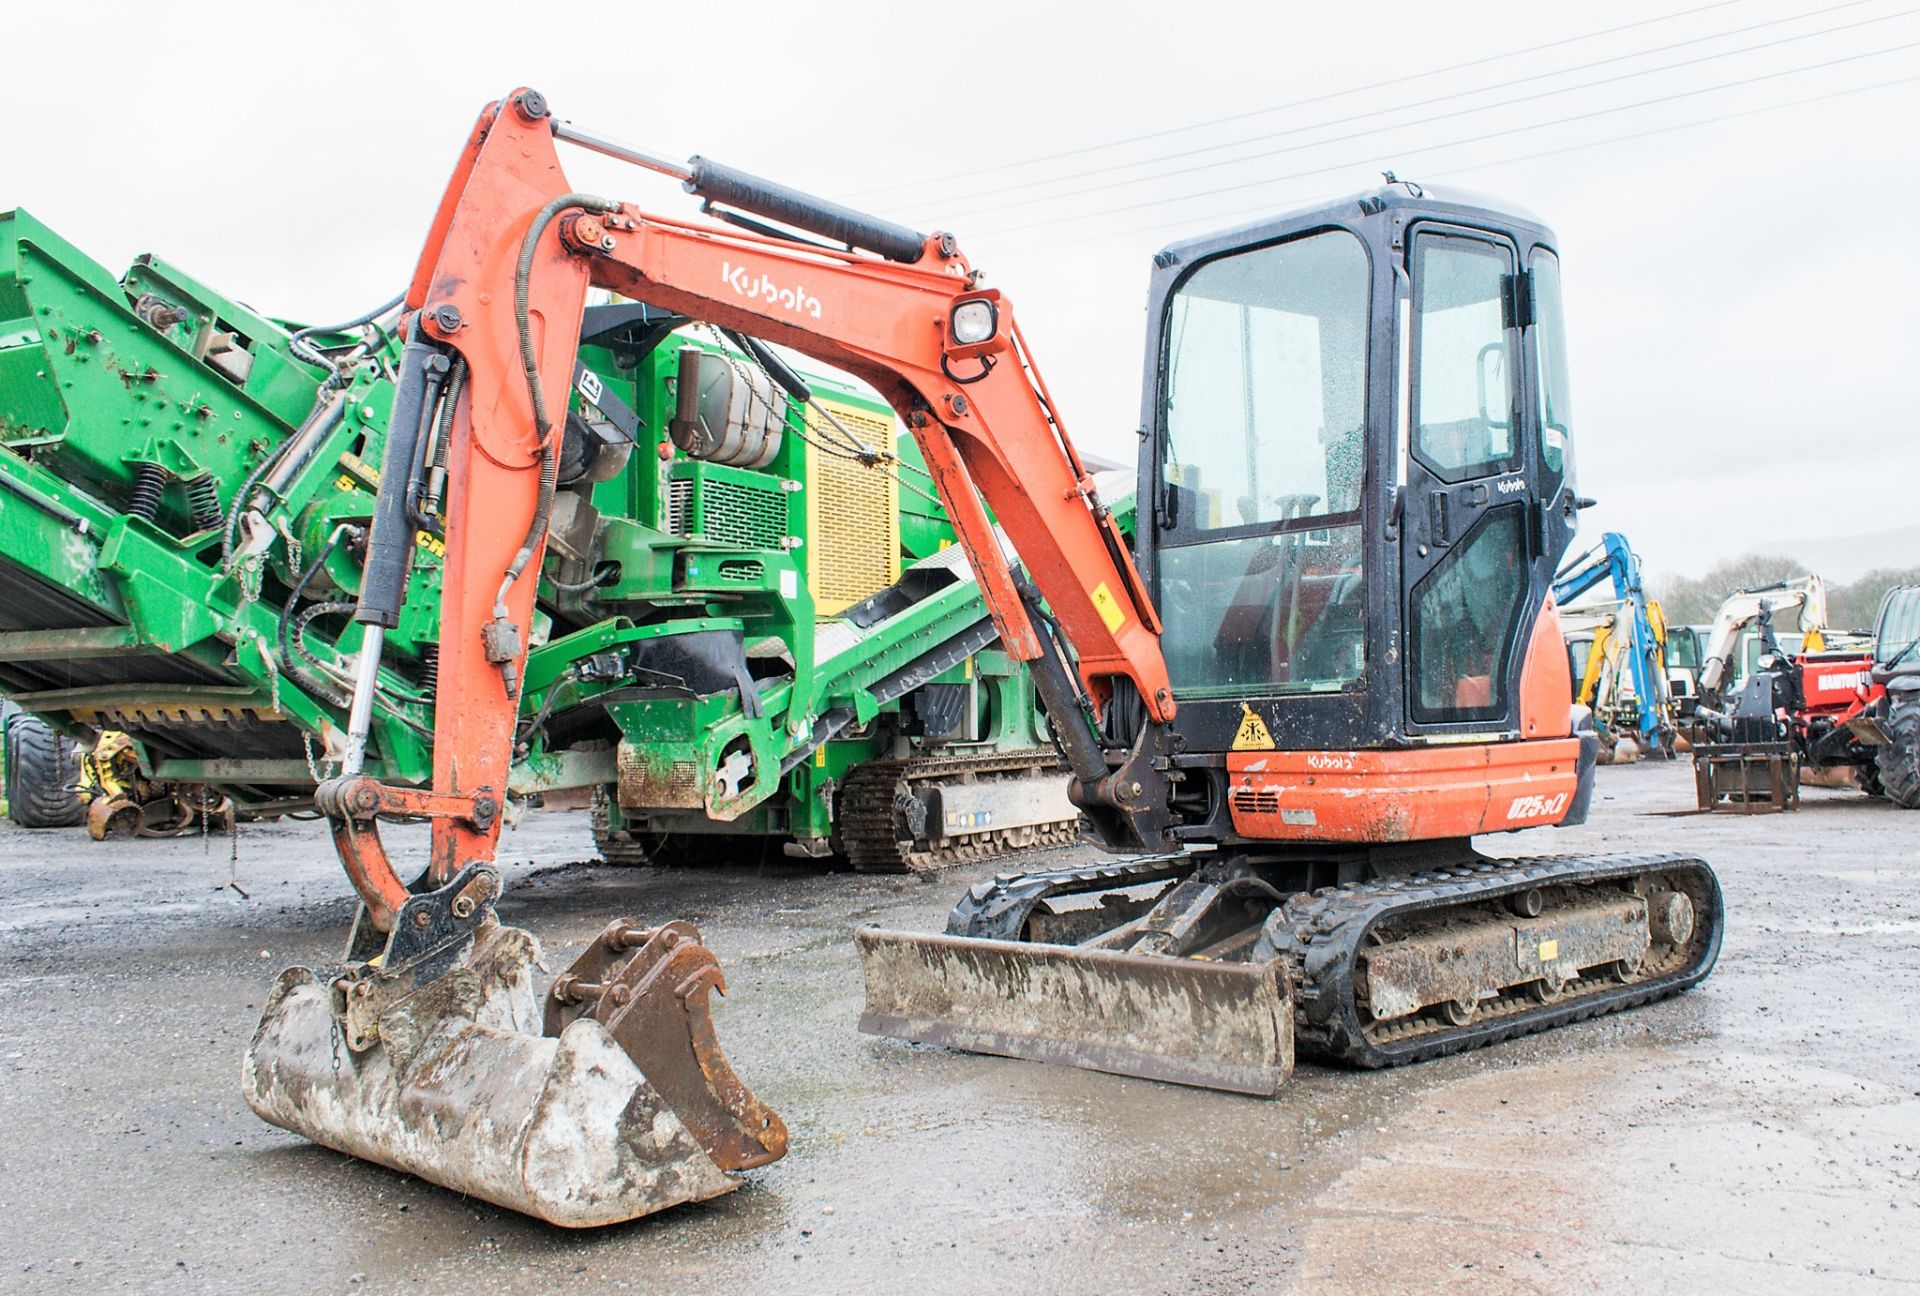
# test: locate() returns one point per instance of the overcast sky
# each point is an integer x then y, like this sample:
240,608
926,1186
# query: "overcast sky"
1743,316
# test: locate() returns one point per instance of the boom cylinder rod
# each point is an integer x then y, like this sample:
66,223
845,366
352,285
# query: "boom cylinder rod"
607,148
360,717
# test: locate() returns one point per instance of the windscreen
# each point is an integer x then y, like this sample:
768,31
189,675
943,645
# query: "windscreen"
1265,422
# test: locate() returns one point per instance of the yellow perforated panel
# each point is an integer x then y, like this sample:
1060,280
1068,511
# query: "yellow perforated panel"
853,511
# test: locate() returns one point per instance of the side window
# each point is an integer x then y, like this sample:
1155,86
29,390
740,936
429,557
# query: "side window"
1464,615
1556,401
1463,386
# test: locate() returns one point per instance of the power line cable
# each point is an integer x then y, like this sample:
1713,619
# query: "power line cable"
1418,103
1297,103
1497,162
1474,139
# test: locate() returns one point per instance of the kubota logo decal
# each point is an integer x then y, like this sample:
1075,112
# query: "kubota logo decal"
1537,807
757,287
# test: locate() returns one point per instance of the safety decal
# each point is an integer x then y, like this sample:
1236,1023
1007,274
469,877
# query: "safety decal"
1252,734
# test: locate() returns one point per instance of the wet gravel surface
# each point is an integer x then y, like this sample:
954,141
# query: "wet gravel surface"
1760,1134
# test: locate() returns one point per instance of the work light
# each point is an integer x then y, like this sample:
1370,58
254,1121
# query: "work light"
974,322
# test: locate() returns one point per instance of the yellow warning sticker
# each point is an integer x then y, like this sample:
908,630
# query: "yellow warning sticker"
1108,607
1252,734
1549,951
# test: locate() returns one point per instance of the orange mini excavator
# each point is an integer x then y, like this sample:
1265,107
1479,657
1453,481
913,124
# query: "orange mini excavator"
1328,659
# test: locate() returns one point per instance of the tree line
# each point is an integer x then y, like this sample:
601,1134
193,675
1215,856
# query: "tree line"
1689,600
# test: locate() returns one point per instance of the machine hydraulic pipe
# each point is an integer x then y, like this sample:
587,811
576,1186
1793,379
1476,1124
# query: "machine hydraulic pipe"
717,182
383,587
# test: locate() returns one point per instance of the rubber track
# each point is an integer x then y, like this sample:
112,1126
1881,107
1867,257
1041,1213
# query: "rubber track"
1326,931
622,851
1320,935
865,819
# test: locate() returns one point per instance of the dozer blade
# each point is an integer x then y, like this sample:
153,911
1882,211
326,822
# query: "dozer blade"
1189,1021
452,1079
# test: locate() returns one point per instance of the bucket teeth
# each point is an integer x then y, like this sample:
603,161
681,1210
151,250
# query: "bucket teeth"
648,987
1215,1025
461,1086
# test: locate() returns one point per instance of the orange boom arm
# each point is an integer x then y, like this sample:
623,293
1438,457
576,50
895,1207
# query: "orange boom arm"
501,285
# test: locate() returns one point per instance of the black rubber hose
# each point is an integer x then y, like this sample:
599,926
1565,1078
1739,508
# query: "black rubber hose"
442,429
298,342
594,581
383,583
288,664
549,453
307,617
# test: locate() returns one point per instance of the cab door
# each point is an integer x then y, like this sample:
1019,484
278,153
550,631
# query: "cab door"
1468,508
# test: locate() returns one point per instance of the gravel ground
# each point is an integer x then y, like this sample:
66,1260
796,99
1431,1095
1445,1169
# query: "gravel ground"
1758,1134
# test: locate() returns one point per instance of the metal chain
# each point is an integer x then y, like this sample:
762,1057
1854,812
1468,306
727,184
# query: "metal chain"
306,745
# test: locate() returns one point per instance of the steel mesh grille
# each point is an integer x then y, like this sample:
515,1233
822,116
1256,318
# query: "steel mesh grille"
749,514
856,524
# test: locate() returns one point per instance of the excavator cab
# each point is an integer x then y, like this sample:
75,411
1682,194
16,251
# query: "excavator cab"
1358,456
1356,486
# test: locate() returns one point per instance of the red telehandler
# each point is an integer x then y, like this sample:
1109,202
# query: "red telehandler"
1355,486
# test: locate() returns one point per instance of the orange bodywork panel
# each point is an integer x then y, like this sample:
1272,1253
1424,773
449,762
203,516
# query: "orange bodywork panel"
1418,794
1546,680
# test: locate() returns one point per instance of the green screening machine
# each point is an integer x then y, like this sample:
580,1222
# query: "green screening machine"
753,632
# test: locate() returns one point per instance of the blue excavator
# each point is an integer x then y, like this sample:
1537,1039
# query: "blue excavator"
1623,678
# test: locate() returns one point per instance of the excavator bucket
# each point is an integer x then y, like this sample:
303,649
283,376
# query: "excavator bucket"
1215,1025
617,1105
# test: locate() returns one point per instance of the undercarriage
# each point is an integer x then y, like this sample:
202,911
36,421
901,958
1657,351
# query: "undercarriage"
1398,966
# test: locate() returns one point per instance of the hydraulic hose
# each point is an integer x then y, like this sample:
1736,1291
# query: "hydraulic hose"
549,453
298,342
423,371
417,489
289,663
